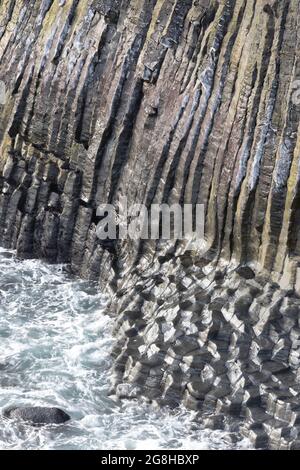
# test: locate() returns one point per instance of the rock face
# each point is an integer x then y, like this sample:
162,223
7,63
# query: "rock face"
38,415
167,101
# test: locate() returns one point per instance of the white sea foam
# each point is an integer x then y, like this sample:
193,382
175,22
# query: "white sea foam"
55,347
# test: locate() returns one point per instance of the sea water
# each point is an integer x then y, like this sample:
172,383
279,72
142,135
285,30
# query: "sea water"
55,344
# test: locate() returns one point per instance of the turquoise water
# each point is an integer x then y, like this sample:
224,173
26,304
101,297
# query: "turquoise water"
55,344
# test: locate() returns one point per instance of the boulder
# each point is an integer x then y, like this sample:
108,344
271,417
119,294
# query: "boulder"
38,415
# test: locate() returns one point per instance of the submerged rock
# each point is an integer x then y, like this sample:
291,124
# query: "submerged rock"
38,415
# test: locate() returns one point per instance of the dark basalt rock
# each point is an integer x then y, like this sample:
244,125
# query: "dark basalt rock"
246,272
112,16
38,415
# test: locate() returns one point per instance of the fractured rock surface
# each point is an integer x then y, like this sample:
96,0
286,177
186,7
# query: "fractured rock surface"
167,101
228,348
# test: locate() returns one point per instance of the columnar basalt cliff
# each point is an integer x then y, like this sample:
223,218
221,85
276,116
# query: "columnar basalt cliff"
174,101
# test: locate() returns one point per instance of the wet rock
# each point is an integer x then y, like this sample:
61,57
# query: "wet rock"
38,415
258,437
127,391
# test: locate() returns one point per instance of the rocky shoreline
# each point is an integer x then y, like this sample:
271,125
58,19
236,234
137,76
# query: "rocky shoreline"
217,341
